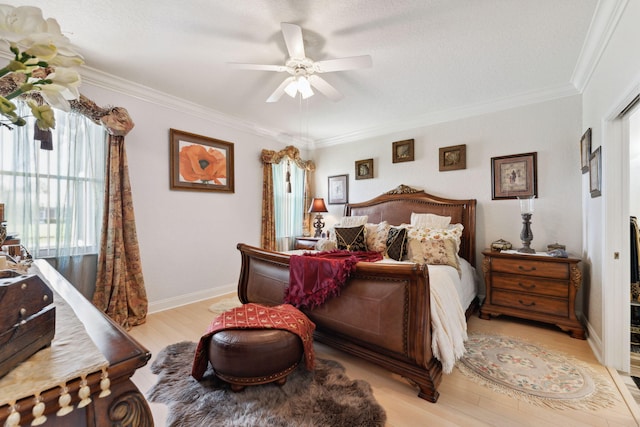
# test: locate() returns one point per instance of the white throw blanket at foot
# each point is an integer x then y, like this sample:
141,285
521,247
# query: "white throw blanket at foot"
449,324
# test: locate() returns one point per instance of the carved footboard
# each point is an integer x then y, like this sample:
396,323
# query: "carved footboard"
382,314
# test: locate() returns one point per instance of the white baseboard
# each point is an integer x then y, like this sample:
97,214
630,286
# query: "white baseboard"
594,340
167,304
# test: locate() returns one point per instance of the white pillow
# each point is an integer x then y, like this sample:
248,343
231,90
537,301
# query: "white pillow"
428,220
353,221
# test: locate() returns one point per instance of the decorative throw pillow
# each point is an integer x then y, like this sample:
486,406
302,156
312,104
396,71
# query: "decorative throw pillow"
396,243
433,252
351,238
429,220
325,245
453,232
376,236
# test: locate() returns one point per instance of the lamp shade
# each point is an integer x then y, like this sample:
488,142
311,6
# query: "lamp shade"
317,205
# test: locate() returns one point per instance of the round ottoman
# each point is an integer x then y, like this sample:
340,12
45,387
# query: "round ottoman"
244,357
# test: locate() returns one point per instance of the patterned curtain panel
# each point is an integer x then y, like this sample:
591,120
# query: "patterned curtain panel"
269,157
120,290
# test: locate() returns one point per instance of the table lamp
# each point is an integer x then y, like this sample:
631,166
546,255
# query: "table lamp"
526,210
318,206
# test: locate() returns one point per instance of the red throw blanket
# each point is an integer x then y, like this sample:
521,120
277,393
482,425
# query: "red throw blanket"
314,277
256,316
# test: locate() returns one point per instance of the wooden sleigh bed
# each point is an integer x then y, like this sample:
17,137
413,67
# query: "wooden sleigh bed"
383,313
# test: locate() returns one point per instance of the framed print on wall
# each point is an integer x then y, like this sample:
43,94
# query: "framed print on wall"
402,151
338,189
364,169
514,176
453,158
198,163
585,150
595,178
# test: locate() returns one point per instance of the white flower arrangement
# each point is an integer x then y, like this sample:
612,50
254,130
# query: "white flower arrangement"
43,62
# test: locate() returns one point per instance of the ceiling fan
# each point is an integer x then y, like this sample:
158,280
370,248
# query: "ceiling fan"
304,71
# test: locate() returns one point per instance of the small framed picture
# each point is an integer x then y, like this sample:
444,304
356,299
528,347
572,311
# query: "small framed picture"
595,168
364,169
402,151
514,176
198,163
453,158
338,186
585,150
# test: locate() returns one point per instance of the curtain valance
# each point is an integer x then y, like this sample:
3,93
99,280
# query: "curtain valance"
291,152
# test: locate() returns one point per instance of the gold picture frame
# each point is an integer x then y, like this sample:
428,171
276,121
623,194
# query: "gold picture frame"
453,157
514,176
364,169
199,163
402,151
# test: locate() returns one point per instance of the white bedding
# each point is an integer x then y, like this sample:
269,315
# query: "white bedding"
451,294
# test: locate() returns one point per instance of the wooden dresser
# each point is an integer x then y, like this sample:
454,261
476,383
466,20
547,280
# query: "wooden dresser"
125,406
541,288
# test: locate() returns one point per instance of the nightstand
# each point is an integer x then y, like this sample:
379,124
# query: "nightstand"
306,242
534,287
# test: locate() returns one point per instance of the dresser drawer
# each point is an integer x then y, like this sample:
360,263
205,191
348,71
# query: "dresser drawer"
531,267
534,285
529,302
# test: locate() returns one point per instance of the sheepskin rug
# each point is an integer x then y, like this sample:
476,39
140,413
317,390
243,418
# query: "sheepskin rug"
324,397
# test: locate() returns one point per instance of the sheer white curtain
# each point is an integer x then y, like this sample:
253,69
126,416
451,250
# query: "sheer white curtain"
289,206
53,199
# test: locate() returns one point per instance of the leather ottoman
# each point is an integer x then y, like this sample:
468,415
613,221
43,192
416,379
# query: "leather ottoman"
244,357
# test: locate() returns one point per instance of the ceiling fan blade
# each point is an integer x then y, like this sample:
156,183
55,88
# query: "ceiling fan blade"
275,96
293,39
258,67
342,64
325,88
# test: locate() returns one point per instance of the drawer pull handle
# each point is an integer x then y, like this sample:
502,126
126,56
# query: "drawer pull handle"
531,304
527,287
521,268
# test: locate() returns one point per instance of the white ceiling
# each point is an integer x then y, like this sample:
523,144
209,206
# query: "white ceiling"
432,59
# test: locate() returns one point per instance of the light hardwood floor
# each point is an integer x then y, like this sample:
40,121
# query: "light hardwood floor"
462,401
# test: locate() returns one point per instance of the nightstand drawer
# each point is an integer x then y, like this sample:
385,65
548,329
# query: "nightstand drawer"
535,285
306,243
539,304
531,267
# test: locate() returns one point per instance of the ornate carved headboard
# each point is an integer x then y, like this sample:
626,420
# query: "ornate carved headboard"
396,206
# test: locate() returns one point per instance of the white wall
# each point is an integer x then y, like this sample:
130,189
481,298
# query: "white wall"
552,129
187,239
614,82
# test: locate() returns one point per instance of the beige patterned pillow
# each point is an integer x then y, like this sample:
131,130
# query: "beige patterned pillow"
433,252
376,236
453,232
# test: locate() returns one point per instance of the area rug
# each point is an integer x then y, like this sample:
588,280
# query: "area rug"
224,305
534,374
324,397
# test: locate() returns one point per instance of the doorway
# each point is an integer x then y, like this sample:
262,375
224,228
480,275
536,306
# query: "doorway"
634,213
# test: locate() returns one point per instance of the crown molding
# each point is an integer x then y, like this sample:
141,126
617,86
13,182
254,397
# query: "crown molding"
603,24
113,83
429,119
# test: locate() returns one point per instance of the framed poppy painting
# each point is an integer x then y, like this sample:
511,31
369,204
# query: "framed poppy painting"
199,163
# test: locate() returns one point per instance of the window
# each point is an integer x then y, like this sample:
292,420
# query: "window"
288,203
53,199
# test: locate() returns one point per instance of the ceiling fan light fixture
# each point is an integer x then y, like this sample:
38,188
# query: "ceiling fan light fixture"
292,89
304,87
